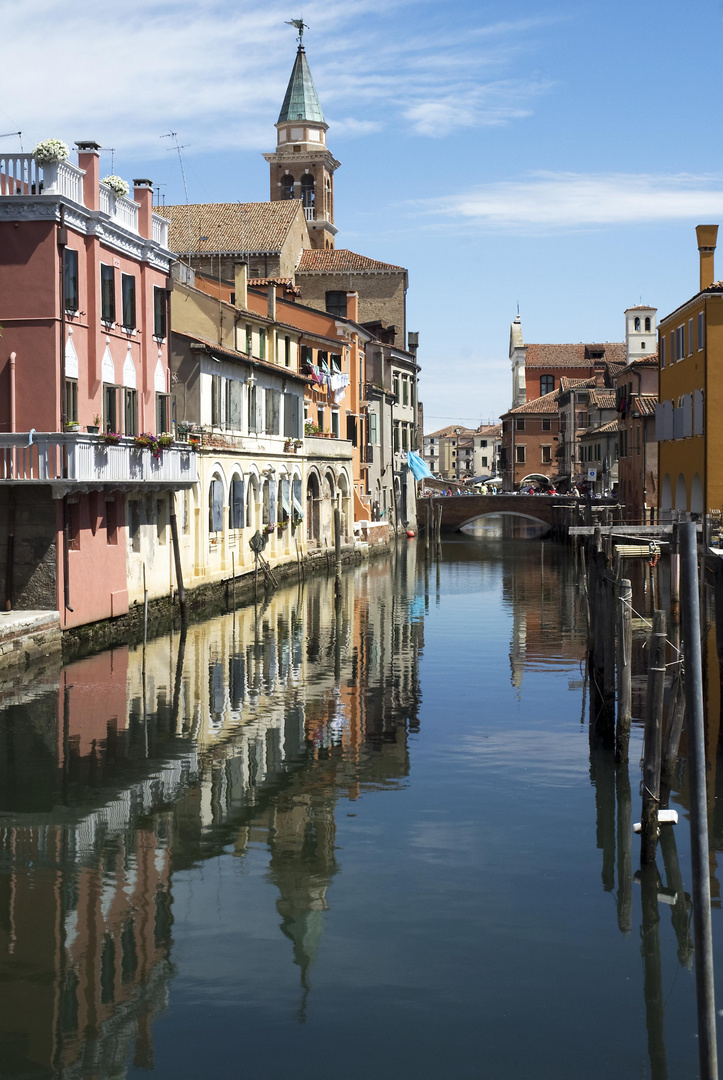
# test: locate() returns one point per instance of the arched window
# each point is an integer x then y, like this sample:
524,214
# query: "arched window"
287,187
637,322
547,384
647,325
307,189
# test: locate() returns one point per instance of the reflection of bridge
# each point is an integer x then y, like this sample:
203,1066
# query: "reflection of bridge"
459,510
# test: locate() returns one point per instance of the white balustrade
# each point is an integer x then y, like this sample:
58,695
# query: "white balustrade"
20,174
160,230
83,459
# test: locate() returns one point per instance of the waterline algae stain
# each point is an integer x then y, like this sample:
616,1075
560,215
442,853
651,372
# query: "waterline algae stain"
357,829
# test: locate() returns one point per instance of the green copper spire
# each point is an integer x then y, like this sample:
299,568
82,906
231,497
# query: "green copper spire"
301,101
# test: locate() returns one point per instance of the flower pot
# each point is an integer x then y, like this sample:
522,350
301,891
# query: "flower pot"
92,429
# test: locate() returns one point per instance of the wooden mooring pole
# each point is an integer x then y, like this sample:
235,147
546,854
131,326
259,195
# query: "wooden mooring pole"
707,1048
675,574
653,740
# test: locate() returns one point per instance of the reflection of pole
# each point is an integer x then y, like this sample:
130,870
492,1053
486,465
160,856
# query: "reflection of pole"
674,884
603,777
698,813
625,648
177,680
145,616
625,854
653,740
337,549
650,881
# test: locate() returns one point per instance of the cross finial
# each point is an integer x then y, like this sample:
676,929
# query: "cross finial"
300,26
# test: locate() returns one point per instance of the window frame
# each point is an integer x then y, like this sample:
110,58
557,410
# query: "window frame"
128,301
160,313
71,285
107,293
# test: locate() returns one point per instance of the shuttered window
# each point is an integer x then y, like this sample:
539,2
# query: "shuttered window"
215,507
236,504
273,398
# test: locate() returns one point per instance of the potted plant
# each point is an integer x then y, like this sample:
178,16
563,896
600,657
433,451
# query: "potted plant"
194,442
111,438
94,428
117,184
165,440
50,150
147,441
72,426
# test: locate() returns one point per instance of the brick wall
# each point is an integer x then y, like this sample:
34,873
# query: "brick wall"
381,296
34,563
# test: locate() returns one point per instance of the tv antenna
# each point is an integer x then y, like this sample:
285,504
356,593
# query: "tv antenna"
174,135
11,135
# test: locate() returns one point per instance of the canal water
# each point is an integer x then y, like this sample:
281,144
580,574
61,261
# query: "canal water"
360,835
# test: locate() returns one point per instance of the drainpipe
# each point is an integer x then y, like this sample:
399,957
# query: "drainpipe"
12,392
62,243
11,503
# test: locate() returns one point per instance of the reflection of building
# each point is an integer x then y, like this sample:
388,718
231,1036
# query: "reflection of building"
547,621
252,725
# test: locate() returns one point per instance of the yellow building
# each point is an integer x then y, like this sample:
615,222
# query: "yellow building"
690,348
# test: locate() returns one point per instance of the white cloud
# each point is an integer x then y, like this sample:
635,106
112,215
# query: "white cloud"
548,201
216,73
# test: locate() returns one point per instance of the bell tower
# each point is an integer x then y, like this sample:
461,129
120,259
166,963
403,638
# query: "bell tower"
302,167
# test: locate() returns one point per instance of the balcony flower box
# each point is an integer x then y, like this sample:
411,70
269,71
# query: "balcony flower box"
111,438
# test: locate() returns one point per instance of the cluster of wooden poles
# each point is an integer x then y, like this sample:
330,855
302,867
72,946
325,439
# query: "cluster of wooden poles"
610,651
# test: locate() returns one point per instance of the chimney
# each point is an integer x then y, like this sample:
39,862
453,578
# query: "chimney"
352,306
413,341
707,237
143,194
240,283
599,373
271,307
89,161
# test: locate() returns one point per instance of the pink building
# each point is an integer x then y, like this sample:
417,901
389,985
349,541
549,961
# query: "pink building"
84,353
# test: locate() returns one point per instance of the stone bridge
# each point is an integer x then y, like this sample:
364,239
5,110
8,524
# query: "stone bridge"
459,510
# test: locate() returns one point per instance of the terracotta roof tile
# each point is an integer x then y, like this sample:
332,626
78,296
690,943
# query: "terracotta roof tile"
340,260
231,227
604,429
579,356
575,384
644,404
545,404
603,399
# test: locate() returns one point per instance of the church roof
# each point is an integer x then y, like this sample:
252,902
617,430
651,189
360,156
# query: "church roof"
231,227
340,260
574,356
301,101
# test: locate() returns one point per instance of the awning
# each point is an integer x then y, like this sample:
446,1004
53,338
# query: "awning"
419,468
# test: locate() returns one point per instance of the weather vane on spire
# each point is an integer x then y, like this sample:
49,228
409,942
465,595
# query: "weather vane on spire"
300,26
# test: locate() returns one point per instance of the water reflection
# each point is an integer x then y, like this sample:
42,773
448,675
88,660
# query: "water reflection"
250,740
253,723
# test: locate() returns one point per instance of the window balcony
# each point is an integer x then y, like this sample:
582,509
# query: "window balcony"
69,462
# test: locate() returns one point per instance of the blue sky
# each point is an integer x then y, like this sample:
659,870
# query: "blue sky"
555,156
